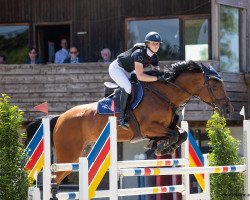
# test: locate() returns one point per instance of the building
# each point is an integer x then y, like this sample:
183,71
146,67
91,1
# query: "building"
213,31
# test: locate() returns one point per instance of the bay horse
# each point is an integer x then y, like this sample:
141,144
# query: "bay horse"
75,130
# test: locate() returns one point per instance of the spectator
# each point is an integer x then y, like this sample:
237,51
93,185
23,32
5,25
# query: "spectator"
74,58
3,59
106,55
63,53
33,59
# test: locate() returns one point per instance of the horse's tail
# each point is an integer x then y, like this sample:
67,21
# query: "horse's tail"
33,126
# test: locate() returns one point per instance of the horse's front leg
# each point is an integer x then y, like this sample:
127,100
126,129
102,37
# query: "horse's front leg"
160,137
170,149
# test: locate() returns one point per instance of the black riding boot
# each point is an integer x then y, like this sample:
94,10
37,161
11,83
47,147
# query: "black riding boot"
123,105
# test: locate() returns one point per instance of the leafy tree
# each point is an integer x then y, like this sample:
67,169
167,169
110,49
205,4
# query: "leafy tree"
224,152
15,48
13,177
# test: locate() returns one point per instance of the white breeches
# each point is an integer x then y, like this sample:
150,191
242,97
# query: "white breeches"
120,76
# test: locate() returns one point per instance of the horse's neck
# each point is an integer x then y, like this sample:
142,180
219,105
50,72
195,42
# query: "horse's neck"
180,91
191,82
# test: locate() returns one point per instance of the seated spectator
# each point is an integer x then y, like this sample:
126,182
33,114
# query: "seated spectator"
63,53
33,59
3,59
106,55
74,58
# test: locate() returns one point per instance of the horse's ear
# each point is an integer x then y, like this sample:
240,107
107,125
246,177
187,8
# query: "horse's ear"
194,66
205,69
210,72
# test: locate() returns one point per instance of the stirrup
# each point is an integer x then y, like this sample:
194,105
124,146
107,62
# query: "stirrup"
124,124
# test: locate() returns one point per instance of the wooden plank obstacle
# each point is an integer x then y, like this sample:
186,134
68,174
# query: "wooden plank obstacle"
140,168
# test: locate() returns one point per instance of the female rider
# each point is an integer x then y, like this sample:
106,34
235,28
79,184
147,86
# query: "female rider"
135,60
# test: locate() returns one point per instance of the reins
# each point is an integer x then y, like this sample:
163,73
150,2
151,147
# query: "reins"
205,84
158,93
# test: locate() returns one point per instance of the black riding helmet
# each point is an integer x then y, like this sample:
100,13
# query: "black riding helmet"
153,37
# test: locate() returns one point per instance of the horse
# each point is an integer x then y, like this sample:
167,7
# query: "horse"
75,130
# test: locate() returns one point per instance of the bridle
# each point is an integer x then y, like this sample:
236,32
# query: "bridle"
207,77
216,101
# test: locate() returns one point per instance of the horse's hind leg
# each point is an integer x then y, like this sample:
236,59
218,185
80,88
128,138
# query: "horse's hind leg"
61,158
66,153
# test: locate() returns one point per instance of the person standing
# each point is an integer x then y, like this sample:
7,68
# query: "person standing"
63,53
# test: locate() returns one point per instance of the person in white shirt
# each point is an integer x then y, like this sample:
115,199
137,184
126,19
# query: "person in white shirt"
63,53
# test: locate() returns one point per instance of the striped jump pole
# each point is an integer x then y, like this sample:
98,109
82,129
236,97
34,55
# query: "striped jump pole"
125,192
125,164
182,170
142,191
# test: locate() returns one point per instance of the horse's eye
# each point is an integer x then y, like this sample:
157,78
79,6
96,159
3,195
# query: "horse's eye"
215,86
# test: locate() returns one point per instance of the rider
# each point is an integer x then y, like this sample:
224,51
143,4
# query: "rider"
135,60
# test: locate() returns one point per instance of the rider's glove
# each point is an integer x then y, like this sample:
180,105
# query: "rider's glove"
161,78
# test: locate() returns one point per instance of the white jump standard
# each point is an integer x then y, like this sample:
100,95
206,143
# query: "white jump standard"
142,168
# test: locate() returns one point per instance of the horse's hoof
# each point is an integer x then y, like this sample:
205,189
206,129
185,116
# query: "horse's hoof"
152,145
158,152
168,151
163,144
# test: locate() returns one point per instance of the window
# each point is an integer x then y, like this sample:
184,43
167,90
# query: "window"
184,38
229,39
48,39
196,39
14,43
167,28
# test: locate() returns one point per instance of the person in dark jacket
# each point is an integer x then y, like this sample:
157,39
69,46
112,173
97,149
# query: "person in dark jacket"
135,60
32,57
74,56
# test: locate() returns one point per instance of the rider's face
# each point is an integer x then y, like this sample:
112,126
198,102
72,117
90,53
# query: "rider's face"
154,46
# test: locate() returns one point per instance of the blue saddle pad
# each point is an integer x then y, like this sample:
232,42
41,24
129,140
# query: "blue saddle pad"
104,105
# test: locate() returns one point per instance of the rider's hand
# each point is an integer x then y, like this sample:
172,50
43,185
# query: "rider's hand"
157,68
161,78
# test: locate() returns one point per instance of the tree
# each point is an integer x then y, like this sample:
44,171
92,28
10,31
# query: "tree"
224,151
13,177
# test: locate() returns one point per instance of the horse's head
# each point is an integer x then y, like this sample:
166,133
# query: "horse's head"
213,91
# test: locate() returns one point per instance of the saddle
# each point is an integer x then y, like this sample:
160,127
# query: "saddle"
112,95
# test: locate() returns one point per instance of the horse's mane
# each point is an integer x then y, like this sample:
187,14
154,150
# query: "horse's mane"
180,67
177,69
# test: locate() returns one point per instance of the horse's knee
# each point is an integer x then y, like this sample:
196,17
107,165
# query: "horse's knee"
183,136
